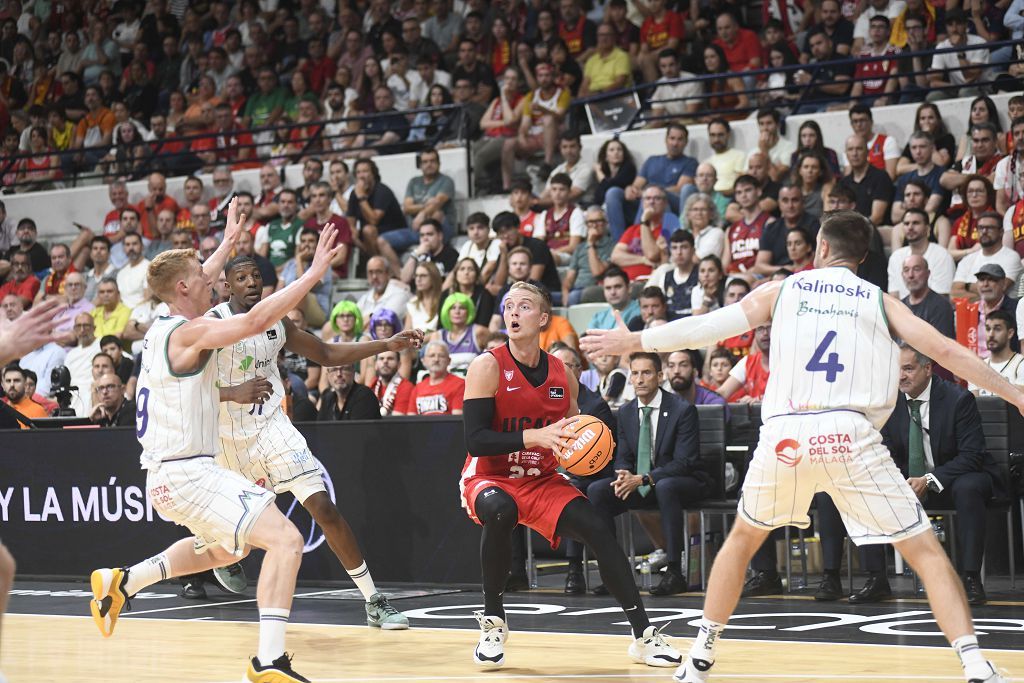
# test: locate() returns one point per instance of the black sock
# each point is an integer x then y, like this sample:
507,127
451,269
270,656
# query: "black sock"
499,515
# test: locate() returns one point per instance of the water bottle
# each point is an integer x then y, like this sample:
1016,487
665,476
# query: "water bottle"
645,573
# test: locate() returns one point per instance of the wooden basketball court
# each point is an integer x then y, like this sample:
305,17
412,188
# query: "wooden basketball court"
49,637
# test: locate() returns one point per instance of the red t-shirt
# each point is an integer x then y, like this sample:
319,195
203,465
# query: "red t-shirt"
229,146
166,204
739,54
631,238
399,398
657,33
437,399
875,75
26,289
573,35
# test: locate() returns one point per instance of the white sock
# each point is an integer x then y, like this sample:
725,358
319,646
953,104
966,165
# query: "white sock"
273,622
704,644
147,572
364,582
971,659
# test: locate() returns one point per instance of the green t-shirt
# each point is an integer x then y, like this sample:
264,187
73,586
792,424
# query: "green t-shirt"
281,239
260,106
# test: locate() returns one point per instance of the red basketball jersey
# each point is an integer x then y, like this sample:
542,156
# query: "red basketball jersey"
745,241
518,405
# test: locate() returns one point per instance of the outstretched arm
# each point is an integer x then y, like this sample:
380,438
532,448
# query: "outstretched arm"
949,354
331,355
233,227
694,332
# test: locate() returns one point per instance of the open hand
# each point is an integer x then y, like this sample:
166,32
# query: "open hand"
234,223
618,341
30,330
325,252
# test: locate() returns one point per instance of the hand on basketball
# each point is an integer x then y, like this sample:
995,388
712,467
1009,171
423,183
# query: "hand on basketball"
30,330
255,390
556,436
405,339
618,341
326,250
625,483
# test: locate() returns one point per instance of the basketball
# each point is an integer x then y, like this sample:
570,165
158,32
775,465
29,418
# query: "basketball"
592,447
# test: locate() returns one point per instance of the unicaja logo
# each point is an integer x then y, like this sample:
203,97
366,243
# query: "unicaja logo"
787,452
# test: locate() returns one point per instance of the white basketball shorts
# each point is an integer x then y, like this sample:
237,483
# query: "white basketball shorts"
219,507
294,471
838,452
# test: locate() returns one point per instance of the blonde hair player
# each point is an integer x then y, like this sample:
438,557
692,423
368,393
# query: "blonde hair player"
834,362
176,423
519,403
259,441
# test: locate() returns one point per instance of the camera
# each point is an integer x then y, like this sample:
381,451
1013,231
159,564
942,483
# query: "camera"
60,390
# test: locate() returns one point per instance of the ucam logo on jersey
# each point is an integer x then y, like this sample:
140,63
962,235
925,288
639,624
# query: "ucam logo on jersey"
787,451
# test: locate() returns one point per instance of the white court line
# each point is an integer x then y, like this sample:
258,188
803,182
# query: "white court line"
133,613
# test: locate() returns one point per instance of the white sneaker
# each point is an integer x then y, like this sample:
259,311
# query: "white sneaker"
994,677
657,560
490,651
653,649
693,671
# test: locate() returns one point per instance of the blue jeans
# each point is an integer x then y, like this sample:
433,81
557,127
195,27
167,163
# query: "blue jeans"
574,296
405,238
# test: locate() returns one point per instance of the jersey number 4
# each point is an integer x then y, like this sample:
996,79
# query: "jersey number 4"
831,365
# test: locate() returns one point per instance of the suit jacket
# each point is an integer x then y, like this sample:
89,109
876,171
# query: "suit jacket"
954,432
676,443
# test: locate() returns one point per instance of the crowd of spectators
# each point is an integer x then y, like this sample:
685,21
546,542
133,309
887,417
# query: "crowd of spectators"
124,88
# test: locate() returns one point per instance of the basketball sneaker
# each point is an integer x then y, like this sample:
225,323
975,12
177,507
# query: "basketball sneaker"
994,677
231,578
693,671
380,614
109,598
653,649
278,671
490,651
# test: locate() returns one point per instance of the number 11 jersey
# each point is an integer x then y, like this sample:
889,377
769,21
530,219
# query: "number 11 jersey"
831,348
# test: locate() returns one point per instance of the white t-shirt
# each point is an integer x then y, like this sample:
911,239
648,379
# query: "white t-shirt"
667,96
582,175
1012,370
893,10
781,153
145,313
948,60
710,242
491,253
1009,181
131,280
1005,257
940,263
418,92
403,92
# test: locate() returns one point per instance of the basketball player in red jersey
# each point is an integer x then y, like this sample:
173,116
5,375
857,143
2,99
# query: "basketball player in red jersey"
519,404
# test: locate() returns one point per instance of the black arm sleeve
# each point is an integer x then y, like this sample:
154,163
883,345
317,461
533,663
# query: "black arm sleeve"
481,440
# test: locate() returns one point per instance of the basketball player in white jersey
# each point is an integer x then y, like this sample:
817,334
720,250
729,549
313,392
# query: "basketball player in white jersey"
176,423
259,441
833,385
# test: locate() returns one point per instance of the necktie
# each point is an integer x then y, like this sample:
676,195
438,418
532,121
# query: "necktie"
645,448
917,466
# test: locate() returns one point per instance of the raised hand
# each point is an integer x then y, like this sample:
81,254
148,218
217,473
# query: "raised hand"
235,221
618,341
30,330
405,339
325,252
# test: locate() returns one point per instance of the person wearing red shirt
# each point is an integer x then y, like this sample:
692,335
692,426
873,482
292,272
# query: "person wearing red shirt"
225,143
156,201
318,68
750,375
320,201
117,191
60,266
391,389
642,247
193,190
741,46
743,237
578,32
661,30
22,282
441,392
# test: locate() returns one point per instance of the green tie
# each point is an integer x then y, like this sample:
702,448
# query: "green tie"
917,467
645,449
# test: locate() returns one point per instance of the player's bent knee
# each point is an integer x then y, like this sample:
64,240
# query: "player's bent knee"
497,508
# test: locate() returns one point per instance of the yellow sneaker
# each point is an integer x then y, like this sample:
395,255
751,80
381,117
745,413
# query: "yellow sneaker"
278,671
109,598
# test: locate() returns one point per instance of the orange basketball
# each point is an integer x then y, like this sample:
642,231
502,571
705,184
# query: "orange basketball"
591,449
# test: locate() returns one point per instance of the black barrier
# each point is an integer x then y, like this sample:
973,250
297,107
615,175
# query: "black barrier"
74,500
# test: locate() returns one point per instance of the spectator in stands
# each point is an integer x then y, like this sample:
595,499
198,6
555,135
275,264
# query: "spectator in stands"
589,259
464,339
608,69
561,225
930,306
883,152
486,252
800,249
914,33
872,186
110,314
836,28
543,111
162,239
962,225
423,309
827,82
22,283
729,162
320,204
381,134
42,362
708,294
740,46
960,71
155,201
992,252
750,374
705,181
954,469
922,149
720,364
265,107
672,98
224,142
440,393
682,373
929,120
815,179
810,140
542,269
74,294
615,284
347,399
662,32
653,309
1009,180
724,96
580,173
431,249
375,210
443,28
79,359
467,281
642,247
1013,227
991,288
985,156
430,75
1000,333
418,46
479,74
673,171
983,111
193,193
131,278
614,168
384,291
758,166
94,132
679,277
317,302
14,389
277,239
388,386
743,238
770,143
427,196
875,82
113,409
500,122
27,244
940,265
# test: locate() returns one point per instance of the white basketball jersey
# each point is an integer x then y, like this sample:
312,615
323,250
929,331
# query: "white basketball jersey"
240,425
176,415
831,348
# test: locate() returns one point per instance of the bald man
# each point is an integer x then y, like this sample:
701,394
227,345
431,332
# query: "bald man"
74,293
79,361
925,303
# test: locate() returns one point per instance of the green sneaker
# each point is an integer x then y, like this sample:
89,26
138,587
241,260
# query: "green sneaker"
231,578
380,614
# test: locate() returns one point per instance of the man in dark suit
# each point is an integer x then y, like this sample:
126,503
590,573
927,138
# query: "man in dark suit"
657,464
934,435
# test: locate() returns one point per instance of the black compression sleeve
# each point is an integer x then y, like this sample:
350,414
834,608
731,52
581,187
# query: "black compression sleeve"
481,439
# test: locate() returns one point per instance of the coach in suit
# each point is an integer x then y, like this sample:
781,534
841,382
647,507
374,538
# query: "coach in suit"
935,437
657,464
